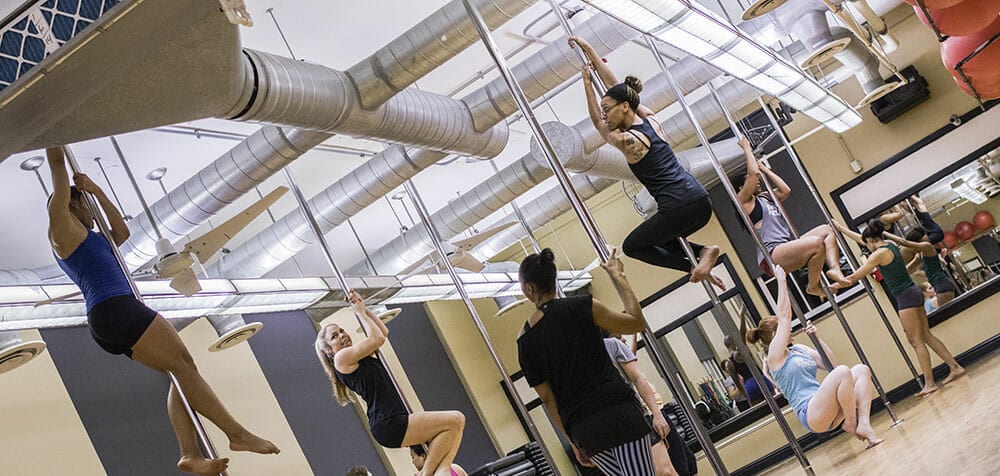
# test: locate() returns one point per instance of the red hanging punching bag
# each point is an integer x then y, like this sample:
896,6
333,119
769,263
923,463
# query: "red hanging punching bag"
965,18
983,70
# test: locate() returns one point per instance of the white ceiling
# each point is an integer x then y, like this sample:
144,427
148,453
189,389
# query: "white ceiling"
335,34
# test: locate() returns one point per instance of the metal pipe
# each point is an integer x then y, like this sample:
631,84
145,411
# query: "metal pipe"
204,442
561,16
425,217
823,281
719,311
666,367
845,249
341,279
112,187
131,178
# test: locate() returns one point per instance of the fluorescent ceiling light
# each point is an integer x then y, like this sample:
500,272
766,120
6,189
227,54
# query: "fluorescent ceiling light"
699,32
964,190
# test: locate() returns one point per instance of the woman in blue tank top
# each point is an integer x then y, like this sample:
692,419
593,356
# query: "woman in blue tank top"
811,250
683,203
121,324
355,367
843,398
909,300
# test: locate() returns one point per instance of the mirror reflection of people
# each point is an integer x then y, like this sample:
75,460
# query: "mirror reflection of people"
671,456
746,385
355,367
930,297
811,250
121,324
562,354
917,244
909,300
418,455
684,206
843,398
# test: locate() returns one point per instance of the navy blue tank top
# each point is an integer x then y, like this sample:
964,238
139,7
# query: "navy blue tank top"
94,269
661,173
372,383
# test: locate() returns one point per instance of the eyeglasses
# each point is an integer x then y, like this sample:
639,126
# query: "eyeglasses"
606,110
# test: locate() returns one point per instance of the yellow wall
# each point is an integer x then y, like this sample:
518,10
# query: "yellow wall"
40,431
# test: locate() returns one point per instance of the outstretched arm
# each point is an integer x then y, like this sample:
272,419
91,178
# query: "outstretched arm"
347,357
781,189
594,105
848,232
628,322
119,230
816,356
783,312
922,247
745,194
603,71
879,257
65,231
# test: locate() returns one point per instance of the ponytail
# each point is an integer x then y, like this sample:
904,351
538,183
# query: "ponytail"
325,355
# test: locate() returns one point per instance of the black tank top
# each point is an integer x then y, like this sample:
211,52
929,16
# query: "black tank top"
742,369
661,173
372,383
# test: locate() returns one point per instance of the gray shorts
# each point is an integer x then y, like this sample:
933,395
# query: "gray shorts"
909,298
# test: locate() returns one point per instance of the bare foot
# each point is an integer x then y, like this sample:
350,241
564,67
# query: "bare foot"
202,466
849,427
955,373
706,260
873,442
838,278
867,433
816,290
927,390
253,443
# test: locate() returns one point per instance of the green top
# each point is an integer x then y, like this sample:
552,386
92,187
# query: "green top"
895,275
932,267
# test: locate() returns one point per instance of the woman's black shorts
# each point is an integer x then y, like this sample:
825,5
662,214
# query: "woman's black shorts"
389,431
117,323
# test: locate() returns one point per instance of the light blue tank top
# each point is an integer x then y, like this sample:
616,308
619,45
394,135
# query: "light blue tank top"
94,269
797,378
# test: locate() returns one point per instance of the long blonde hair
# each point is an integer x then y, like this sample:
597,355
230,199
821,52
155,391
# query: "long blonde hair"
325,354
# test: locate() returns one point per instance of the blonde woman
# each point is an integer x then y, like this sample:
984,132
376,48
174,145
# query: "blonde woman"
355,367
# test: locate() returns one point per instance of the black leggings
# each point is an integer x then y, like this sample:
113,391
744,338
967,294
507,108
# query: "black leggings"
934,232
654,241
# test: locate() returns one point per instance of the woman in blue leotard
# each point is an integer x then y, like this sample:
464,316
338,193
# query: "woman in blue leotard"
845,395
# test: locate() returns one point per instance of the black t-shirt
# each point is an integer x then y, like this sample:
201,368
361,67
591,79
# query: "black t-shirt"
372,383
565,348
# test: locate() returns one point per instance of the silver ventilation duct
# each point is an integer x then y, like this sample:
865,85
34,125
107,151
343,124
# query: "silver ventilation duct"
195,70
269,149
548,68
571,145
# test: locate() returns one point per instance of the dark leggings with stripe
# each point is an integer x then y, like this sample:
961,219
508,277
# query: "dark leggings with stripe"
630,459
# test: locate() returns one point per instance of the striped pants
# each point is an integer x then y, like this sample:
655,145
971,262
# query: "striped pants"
630,459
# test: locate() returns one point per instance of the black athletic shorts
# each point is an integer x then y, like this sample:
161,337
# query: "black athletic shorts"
389,431
909,298
117,323
945,285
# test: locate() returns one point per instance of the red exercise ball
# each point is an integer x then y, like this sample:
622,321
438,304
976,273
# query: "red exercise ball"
983,220
950,240
965,18
936,3
964,230
983,70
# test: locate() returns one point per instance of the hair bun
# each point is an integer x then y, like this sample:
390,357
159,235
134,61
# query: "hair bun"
753,335
547,256
634,83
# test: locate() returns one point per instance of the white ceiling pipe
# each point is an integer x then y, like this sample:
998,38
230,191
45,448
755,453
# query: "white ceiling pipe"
571,145
252,85
548,68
